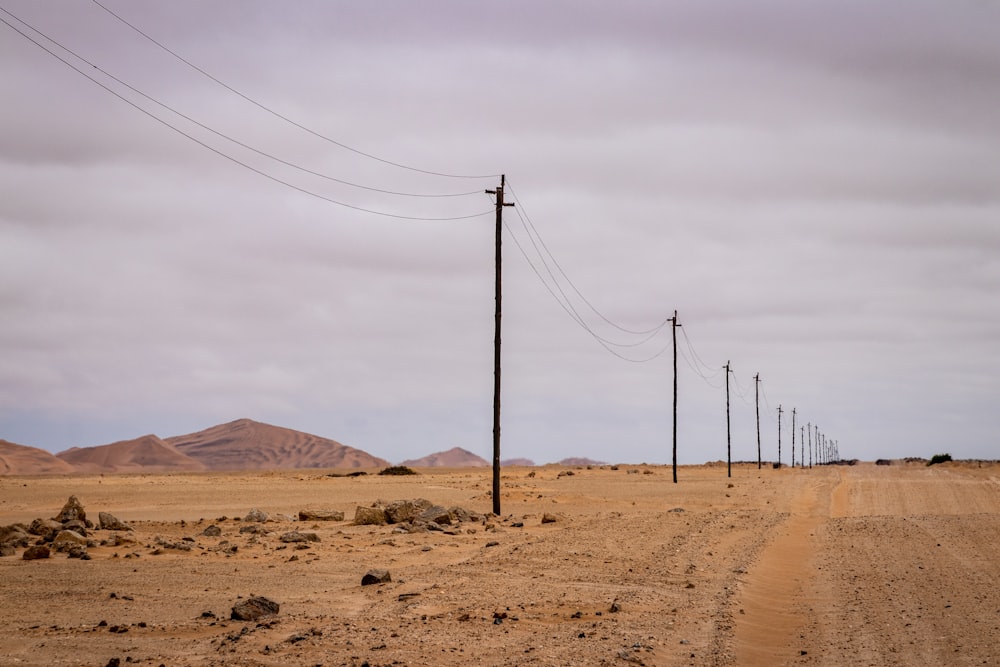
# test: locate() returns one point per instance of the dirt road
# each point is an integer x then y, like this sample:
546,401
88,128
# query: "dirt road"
863,565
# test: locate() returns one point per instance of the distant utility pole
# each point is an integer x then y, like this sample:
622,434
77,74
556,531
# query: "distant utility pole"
802,446
779,435
729,440
674,325
496,346
809,429
756,386
793,437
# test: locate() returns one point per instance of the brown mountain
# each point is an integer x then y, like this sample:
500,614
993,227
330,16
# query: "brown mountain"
248,445
517,462
23,460
456,457
146,454
580,461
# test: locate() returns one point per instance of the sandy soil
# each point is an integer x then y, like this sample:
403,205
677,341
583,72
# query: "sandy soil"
864,565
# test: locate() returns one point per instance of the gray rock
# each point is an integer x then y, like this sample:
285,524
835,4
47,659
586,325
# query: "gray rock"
45,527
369,516
212,531
256,516
436,514
254,608
66,539
108,521
76,526
401,511
376,577
321,515
35,552
298,536
72,511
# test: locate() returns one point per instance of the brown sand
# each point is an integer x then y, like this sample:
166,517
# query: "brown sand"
864,565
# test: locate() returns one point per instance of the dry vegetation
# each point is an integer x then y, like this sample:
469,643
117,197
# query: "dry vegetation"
859,565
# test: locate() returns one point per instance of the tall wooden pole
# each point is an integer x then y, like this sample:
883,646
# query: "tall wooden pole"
729,441
756,385
779,435
793,437
496,346
674,329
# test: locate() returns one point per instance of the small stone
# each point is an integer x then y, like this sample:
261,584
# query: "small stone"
320,515
369,516
212,531
254,608
549,518
376,577
615,607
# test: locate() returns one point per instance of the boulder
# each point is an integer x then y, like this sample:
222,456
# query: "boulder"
436,514
369,516
297,536
320,515
253,609
72,511
376,577
212,531
76,526
35,552
66,539
44,527
256,516
109,521
401,511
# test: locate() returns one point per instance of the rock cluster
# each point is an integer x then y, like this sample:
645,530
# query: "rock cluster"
68,532
413,516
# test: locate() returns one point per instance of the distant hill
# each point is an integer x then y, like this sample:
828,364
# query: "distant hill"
516,462
456,457
578,461
146,454
23,460
248,445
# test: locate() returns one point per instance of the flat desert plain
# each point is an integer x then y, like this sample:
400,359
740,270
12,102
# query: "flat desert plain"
839,565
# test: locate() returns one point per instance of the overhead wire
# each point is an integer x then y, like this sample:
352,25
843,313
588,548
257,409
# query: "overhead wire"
200,142
279,115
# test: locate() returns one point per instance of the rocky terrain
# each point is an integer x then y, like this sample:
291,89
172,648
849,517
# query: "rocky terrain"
860,565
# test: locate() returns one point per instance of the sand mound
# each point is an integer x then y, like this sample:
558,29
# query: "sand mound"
146,454
248,445
22,460
456,457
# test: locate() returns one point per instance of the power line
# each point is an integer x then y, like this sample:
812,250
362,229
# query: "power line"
282,116
202,143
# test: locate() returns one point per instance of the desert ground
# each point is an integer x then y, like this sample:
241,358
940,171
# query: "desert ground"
838,565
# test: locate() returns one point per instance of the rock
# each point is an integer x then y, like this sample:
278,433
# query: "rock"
72,511
212,531
320,515
298,536
45,527
256,516
76,551
401,511
76,526
108,521
376,577
254,528
254,608
67,539
549,518
369,516
35,552
13,536
436,514
615,607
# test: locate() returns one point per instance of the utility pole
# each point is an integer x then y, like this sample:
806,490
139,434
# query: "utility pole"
496,346
756,387
793,437
802,446
729,440
779,435
809,429
673,328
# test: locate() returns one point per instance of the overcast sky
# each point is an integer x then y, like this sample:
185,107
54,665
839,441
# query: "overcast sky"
814,187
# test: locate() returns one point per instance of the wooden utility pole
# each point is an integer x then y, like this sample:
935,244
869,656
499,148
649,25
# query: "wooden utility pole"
810,432
756,387
793,437
779,435
496,346
729,440
802,446
673,327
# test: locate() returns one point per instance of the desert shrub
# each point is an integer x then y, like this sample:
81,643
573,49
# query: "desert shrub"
883,462
939,458
398,470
